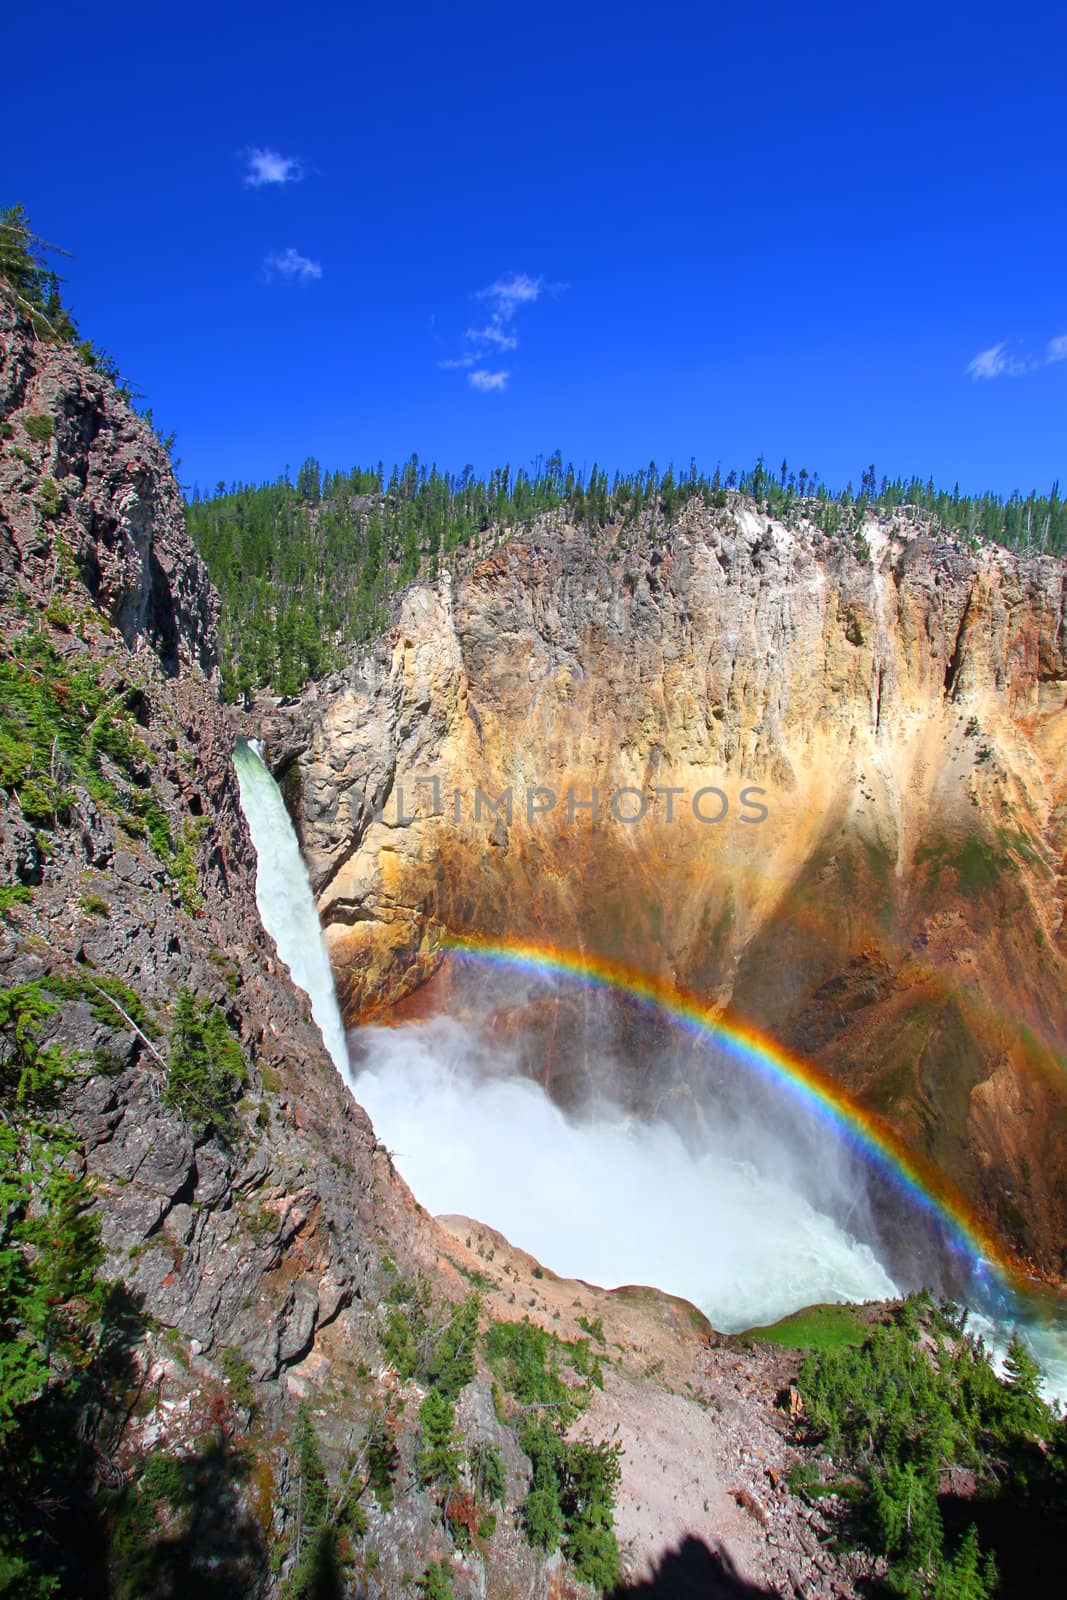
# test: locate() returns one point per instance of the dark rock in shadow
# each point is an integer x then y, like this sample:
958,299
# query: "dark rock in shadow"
693,1572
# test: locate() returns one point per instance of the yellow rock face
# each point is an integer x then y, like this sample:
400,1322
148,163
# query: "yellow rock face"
878,880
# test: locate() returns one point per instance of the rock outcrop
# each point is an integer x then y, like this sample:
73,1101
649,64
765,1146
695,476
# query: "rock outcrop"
845,756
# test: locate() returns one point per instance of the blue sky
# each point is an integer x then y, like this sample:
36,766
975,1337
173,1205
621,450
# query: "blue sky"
485,232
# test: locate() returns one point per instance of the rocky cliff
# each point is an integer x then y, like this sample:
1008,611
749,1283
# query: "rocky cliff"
890,903
150,881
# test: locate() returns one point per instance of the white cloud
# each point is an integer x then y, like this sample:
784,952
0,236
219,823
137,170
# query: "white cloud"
486,381
998,362
292,265
504,298
1057,348
508,293
492,333
269,166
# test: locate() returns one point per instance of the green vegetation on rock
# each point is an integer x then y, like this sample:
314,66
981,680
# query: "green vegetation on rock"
571,1499
919,1396
58,1317
38,425
65,725
206,1066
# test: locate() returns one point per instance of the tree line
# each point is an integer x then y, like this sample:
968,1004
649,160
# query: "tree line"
306,568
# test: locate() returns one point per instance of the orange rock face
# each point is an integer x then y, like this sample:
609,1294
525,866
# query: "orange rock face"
831,794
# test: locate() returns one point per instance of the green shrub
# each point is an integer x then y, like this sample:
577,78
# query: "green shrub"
399,1344
60,614
487,1526
438,1355
60,725
162,1477
572,1499
916,1397
436,1582
55,1311
450,1366
106,996
12,895
967,1576
487,1472
206,1066
38,425
316,1571
529,1363
237,1371
183,864
383,1462
438,1460
57,722
49,498
573,1483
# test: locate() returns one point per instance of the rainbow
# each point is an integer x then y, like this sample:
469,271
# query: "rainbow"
859,1127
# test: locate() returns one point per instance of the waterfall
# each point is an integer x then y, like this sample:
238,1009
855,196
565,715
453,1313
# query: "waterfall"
601,1199
283,895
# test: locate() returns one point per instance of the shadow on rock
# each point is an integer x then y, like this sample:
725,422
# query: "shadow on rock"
180,1529
693,1572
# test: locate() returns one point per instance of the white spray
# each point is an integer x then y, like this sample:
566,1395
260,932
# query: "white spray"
605,1198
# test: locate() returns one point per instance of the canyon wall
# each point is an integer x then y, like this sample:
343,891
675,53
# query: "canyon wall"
889,903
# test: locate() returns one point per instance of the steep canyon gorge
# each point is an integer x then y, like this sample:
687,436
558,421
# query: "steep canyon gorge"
872,874
895,918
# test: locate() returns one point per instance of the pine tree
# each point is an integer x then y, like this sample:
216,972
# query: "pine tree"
51,1297
28,279
1022,1377
967,1576
438,1460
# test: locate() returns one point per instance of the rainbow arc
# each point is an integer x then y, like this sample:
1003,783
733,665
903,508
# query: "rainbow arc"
862,1129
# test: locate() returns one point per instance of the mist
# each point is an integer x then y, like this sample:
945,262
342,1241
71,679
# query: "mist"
599,1194
614,1148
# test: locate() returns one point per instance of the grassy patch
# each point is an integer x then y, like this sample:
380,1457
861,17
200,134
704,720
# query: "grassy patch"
831,1327
12,895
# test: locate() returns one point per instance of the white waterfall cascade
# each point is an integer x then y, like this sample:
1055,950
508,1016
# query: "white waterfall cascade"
602,1199
285,900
